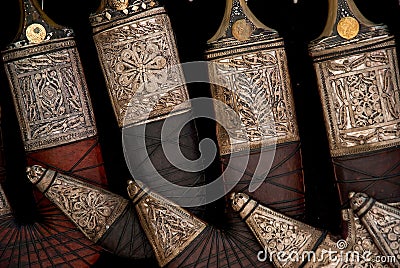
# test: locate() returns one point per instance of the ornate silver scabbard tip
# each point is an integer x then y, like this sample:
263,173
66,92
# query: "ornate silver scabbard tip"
169,228
243,204
290,243
276,232
135,190
383,224
92,209
238,200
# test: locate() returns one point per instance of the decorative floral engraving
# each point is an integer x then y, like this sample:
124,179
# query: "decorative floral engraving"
140,63
280,236
362,101
141,66
52,102
91,209
169,228
256,86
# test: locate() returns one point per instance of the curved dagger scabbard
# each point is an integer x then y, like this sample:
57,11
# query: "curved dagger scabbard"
291,243
105,218
276,232
249,74
358,78
139,59
51,97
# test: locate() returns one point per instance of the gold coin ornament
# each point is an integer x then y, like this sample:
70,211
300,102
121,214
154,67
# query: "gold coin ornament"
348,27
119,4
242,30
36,33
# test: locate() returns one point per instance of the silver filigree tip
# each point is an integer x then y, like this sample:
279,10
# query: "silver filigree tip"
239,200
134,188
34,173
358,201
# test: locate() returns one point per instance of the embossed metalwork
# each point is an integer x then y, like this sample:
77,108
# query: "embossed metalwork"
50,95
140,62
276,232
331,36
36,33
169,228
258,89
92,209
382,222
361,100
290,243
348,27
357,250
49,89
119,4
242,30
239,27
358,81
37,27
249,74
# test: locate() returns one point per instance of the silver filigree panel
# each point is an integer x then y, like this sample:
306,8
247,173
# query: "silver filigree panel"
361,101
51,98
256,86
140,62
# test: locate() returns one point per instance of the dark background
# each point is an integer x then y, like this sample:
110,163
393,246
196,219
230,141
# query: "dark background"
194,23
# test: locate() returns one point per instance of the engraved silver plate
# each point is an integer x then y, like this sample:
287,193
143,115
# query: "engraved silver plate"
361,101
50,95
258,90
140,63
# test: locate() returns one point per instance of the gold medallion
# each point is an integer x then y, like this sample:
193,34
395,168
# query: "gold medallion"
36,33
348,27
241,30
119,4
